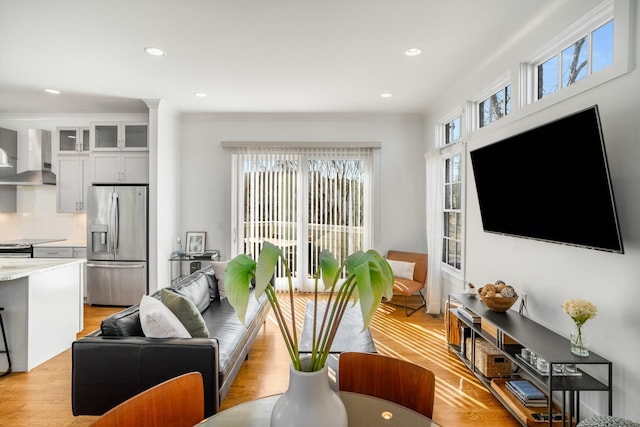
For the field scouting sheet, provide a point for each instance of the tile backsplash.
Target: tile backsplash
(36, 217)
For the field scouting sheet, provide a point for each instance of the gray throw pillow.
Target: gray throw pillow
(186, 312)
(196, 289)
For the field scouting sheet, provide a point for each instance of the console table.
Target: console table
(199, 261)
(510, 332)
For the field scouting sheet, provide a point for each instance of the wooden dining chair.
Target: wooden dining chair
(388, 378)
(174, 403)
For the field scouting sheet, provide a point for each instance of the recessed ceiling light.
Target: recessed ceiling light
(386, 95)
(53, 91)
(200, 95)
(154, 51)
(414, 51)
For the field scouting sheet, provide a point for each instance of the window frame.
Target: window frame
(621, 15)
(301, 149)
(445, 239)
(448, 150)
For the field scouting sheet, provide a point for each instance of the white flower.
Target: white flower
(580, 310)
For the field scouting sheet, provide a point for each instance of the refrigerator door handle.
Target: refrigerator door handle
(112, 239)
(116, 223)
(110, 225)
(112, 265)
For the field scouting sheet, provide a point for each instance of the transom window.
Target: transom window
(584, 57)
(495, 107)
(452, 130)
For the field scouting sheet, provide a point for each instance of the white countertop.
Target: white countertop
(15, 268)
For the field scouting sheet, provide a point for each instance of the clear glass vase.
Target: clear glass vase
(579, 341)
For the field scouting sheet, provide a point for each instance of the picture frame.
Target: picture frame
(196, 242)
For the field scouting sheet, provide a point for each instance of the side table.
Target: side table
(182, 266)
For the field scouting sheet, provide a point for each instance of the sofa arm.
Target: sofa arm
(106, 371)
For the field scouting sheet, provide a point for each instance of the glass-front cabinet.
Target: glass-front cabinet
(73, 140)
(107, 136)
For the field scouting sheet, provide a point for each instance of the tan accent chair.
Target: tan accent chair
(178, 402)
(406, 287)
(388, 378)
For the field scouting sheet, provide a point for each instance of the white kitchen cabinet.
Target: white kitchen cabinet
(53, 252)
(79, 252)
(8, 193)
(73, 140)
(118, 136)
(74, 176)
(120, 168)
(67, 252)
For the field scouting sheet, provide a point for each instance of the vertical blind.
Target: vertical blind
(303, 200)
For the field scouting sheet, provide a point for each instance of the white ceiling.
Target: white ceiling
(247, 55)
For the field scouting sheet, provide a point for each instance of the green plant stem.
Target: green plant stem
(330, 325)
(289, 342)
(290, 337)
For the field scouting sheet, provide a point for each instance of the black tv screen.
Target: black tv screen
(550, 183)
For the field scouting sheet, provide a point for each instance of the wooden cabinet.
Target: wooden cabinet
(510, 333)
(117, 136)
(74, 176)
(120, 168)
(73, 140)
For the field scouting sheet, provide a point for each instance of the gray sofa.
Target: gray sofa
(118, 361)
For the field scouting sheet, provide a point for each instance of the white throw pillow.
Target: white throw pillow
(402, 269)
(158, 321)
(218, 270)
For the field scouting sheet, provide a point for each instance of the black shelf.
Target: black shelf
(547, 344)
(184, 263)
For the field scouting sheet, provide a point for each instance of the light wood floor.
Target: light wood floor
(42, 397)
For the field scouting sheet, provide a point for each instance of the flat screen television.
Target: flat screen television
(550, 183)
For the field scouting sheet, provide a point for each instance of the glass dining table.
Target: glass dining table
(362, 411)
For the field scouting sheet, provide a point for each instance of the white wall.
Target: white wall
(551, 273)
(164, 189)
(206, 168)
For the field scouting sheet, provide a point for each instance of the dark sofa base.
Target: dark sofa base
(107, 370)
(104, 375)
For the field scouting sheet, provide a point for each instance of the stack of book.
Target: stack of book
(468, 314)
(527, 393)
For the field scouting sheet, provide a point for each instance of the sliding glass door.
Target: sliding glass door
(303, 200)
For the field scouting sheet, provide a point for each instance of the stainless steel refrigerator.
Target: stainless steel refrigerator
(117, 244)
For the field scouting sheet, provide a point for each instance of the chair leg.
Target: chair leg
(6, 346)
(408, 311)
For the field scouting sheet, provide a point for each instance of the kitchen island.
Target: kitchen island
(43, 307)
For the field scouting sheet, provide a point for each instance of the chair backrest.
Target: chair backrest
(420, 259)
(176, 402)
(388, 378)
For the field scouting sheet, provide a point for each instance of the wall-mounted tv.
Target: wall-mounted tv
(550, 183)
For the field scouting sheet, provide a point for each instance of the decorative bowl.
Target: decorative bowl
(499, 304)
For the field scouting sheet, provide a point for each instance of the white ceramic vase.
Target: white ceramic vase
(309, 401)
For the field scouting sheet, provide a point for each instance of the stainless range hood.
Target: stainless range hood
(38, 162)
